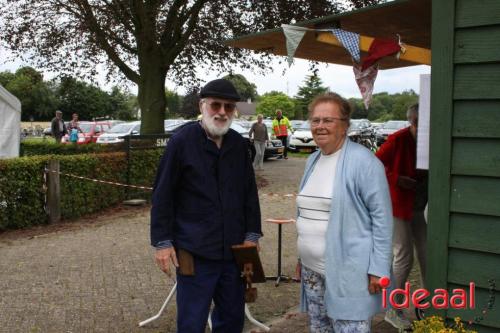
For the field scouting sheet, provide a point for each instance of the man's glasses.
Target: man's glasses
(228, 107)
(328, 121)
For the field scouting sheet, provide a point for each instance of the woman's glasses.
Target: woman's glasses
(328, 121)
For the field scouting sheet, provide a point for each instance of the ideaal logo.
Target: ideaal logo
(420, 297)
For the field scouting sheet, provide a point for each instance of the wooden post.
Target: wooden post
(53, 192)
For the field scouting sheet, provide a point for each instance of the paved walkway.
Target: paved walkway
(98, 275)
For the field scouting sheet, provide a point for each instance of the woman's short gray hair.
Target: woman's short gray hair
(331, 97)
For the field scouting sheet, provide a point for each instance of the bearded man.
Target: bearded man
(205, 201)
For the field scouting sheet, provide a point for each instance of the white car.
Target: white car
(117, 132)
(302, 139)
(389, 128)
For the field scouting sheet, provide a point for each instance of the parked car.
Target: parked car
(296, 124)
(244, 123)
(172, 126)
(117, 132)
(274, 147)
(172, 122)
(388, 128)
(302, 140)
(91, 130)
(113, 123)
(48, 131)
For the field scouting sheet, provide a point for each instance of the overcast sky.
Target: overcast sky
(338, 78)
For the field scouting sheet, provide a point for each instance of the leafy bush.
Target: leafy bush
(21, 192)
(436, 324)
(22, 197)
(45, 147)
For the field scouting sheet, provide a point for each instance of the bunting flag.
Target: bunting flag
(378, 49)
(350, 41)
(365, 80)
(294, 35)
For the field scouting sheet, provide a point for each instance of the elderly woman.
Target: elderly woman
(344, 225)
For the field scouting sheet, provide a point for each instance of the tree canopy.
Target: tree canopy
(147, 40)
(246, 89)
(384, 106)
(271, 101)
(190, 104)
(313, 86)
(40, 98)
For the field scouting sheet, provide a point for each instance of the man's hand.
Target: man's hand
(374, 284)
(249, 243)
(164, 257)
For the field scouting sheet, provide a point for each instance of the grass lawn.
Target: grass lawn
(47, 139)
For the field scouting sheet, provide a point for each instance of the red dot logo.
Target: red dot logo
(384, 282)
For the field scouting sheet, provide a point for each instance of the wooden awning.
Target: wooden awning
(411, 19)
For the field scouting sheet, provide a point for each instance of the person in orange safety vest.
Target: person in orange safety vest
(281, 124)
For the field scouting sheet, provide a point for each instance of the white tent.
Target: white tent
(10, 124)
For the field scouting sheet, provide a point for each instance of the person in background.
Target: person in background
(204, 202)
(344, 225)
(408, 188)
(74, 128)
(281, 125)
(58, 127)
(258, 133)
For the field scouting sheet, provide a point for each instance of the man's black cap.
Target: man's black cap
(220, 88)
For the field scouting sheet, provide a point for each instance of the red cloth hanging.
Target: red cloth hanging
(378, 49)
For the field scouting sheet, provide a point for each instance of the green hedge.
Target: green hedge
(21, 184)
(46, 147)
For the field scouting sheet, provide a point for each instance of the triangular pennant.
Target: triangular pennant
(293, 36)
(378, 49)
(350, 41)
(365, 80)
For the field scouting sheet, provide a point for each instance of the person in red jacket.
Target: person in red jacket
(408, 188)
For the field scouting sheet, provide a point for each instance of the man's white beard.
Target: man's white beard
(212, 128)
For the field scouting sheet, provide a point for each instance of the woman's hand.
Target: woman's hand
(374, 284)
(298, 271)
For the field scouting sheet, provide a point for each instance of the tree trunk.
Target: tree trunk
(151, 97)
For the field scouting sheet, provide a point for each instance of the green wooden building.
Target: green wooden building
(464, 166)
(464, 173)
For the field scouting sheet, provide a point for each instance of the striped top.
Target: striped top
(313, 204)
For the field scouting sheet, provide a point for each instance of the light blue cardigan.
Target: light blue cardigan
(359, 233)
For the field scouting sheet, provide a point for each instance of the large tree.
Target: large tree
(274, 100)
(146, 40)
(190, 104)
(246, 89)
(37, 99)
(312, 87)
(87, 100)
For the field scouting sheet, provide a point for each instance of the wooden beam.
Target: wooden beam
(413, 54)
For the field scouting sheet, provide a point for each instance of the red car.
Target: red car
(90, 131)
